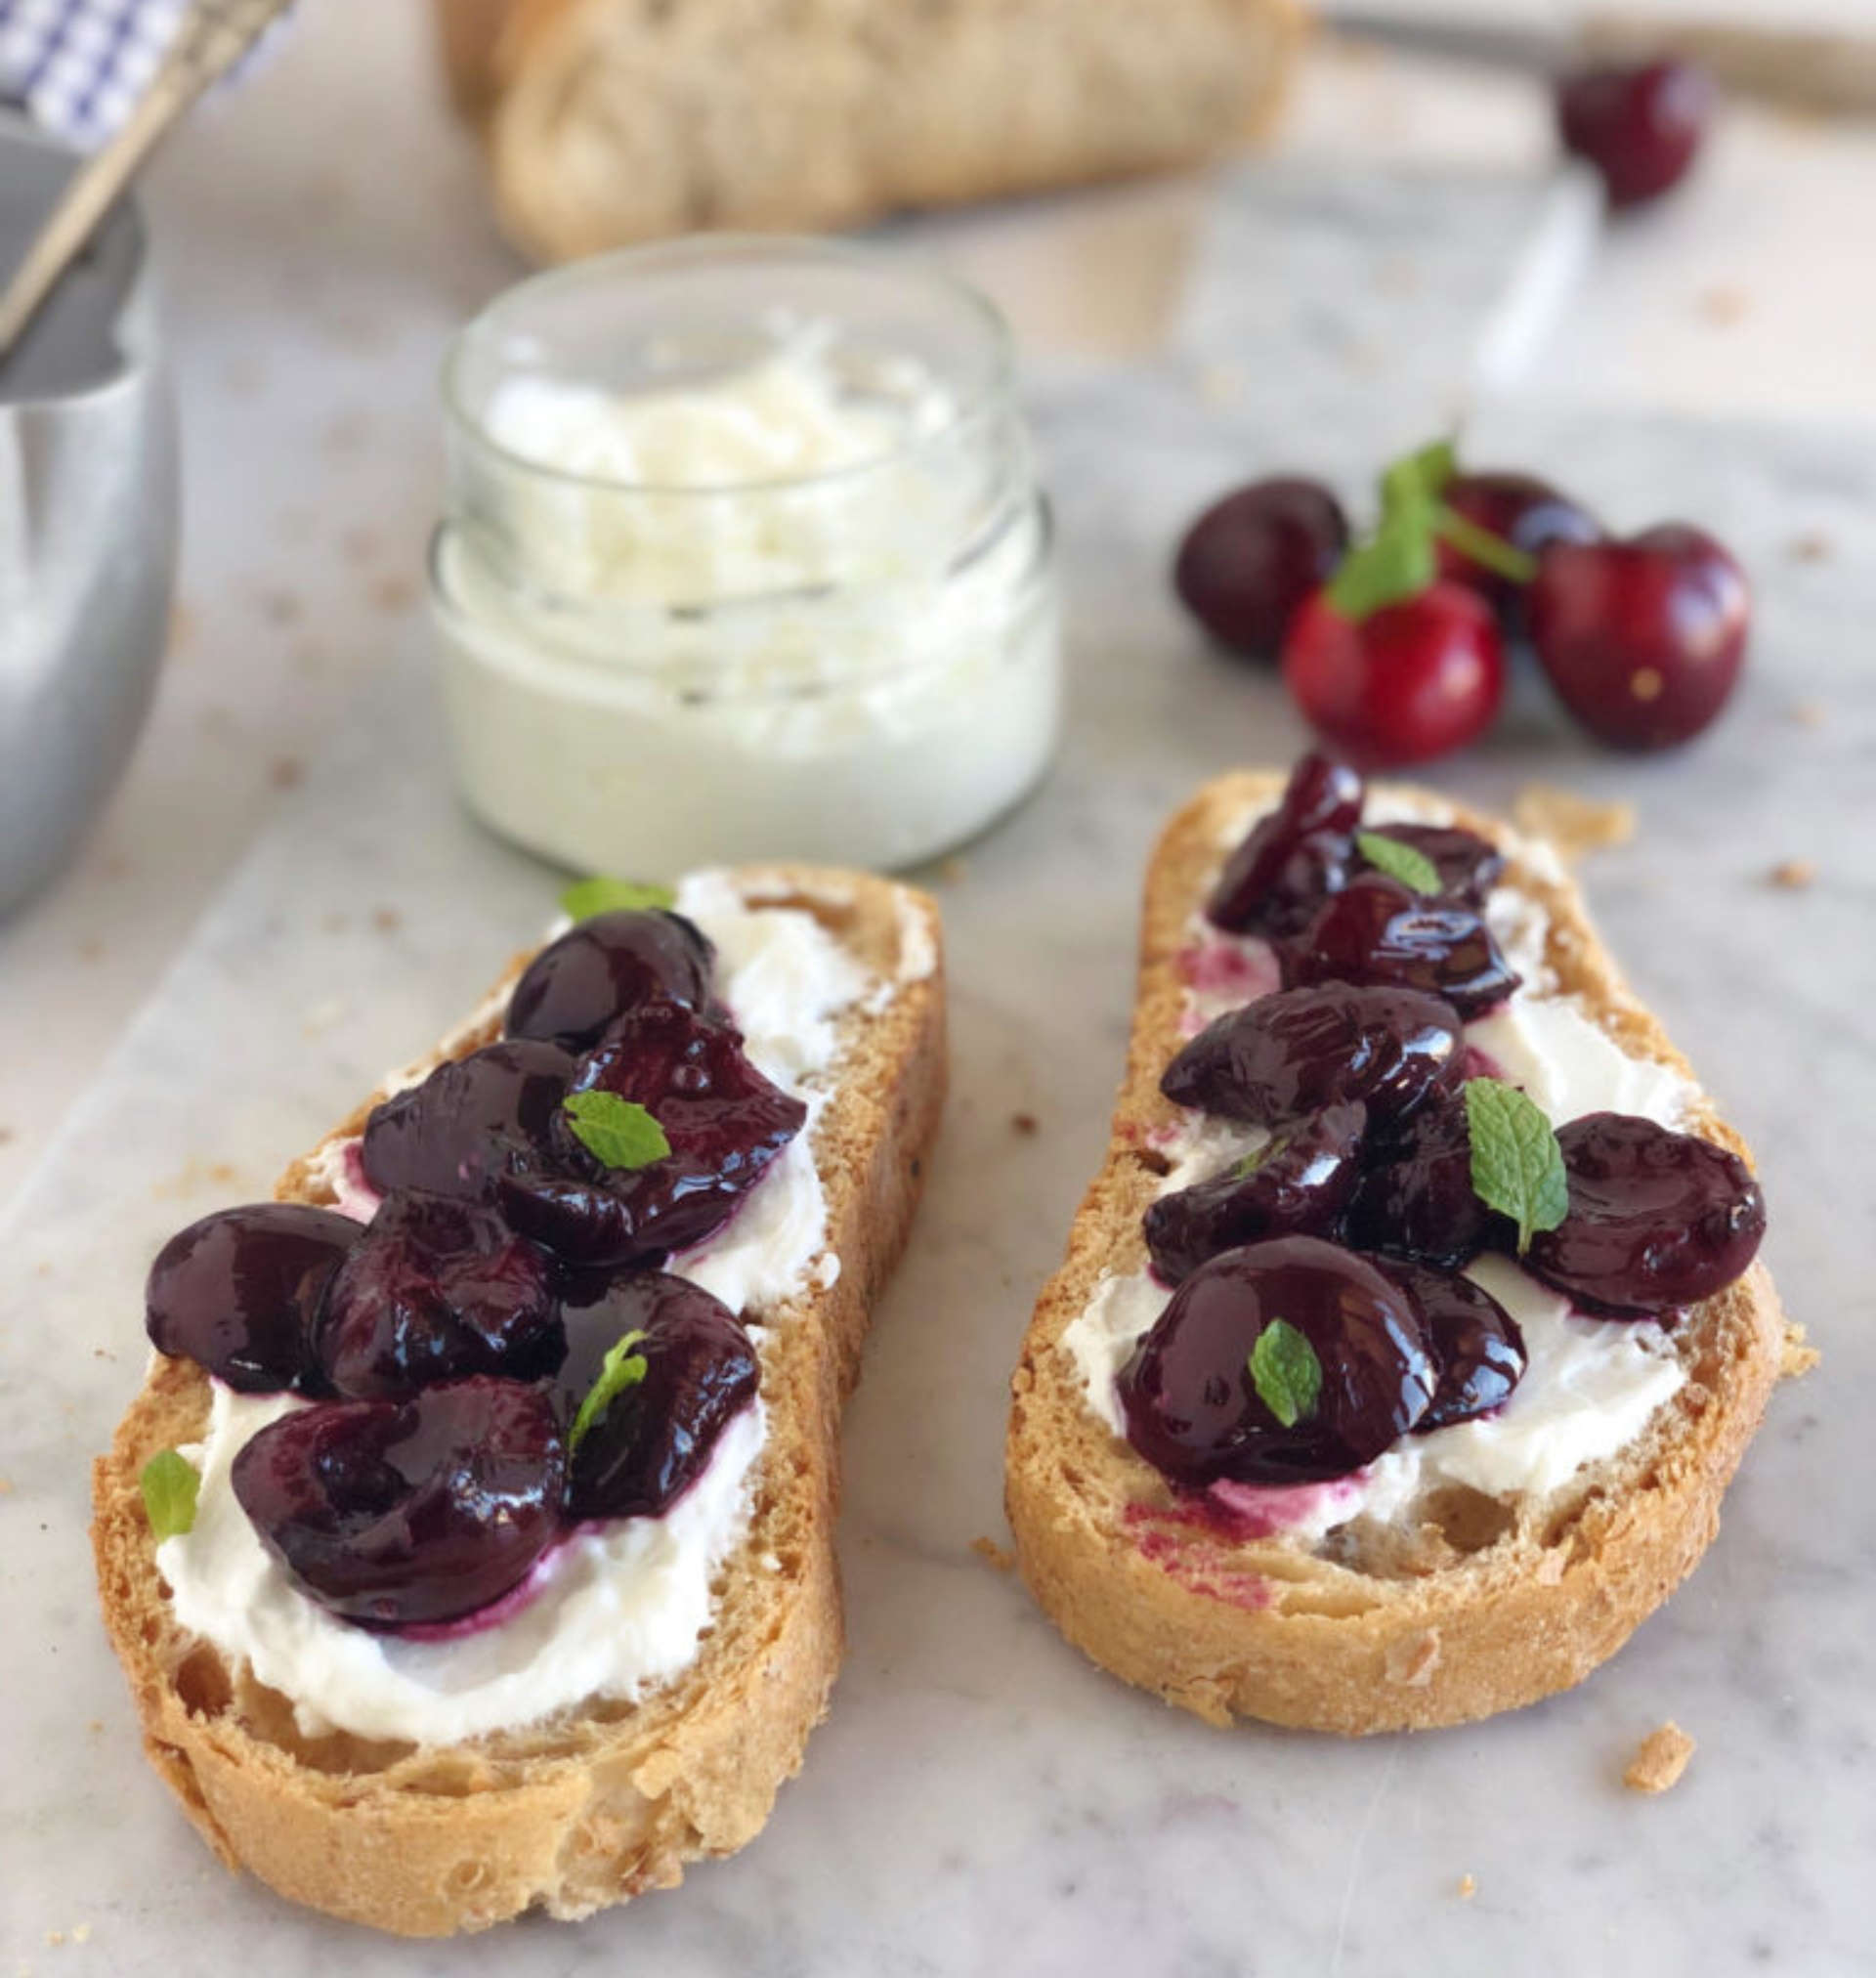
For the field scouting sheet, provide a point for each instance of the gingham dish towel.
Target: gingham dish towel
(76, 66)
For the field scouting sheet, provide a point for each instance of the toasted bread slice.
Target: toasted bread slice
(588, 1808)
(1486, 1603)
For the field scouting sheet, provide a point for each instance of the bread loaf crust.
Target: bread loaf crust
(1445, 1632)
(581, 1811)
(608, 122)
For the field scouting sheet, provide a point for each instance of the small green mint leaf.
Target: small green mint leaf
(1492, 552)
(1286, 1372)
(170, 1486)
(1518, 1166)
(587, 898)
(1399, 861)
(1397, 561)
(621, 1368)
(1418, 477)
(1242, 1170)
(617, 1131)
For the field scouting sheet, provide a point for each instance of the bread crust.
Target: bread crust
(592, 1807)
(1500, 1603)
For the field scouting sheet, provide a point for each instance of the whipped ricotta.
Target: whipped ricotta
(617, 1608)
(1590, 1386)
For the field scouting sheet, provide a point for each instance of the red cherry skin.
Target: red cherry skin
(1643, 639)
(1252, 558)
(1519, 509)
(1411, 680)
(1639, 125)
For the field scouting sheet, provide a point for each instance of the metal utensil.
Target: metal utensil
(210, 39)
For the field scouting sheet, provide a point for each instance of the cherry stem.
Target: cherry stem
(1502, 559)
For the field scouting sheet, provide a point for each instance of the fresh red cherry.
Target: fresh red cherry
(1639, 125)
(1250, 559)
(1295, 854)
(1518, 508)
(1643, 638)
(1411, 680)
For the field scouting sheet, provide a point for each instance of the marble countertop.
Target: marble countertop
(981, 1800)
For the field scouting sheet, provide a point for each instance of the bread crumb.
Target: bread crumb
(54, 1938)
(987, 1548)
(1811, 547)
(6, 1487)
(286, 772)
(1025, 1124)
(1220, 384)
(1661, 1759)
(1793, 875)
(394, 595)
(952, 872)
(81, 1933)
(1798, 1357)
(1808, 713)
(1574, 824)
(1411, 1664)
(1725, 305)
(1468, 1888)
(1551, 1569)
(387, 920)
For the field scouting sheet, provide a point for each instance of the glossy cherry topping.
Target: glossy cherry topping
(1477, 1345)
(654, 1439)
(576, 988)
(1297, 1184)
(437, 1289)
(471, 1121)
(237, 1292)
(1191, 1404)
(724, 1121)
(1294, 856)
(1468, 867)
(1290, 1053)
(1416, 1199)
(1657, 1219)
(391, 1512)
(1375, 930)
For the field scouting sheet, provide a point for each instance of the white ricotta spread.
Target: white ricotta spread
(617, 1608)
(1590, 1386)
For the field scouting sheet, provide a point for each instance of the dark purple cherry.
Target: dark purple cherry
(1417, 1198)
(1477, 1347)
(438, 1289)
(1639, 124)
(469, 1122)
(1297, 1184)
(1295, 856)
(1193, 1409)
(1378, 932)
(393, 1513)
(574, 989)
(237, 1292)
(654, 1438)
(725, 1123)
(1252, 558)
(1300, 1049)
(1657, 1219)
(1468, 867)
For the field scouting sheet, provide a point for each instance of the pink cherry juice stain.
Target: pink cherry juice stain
(1226, 969)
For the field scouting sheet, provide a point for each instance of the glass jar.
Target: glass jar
(743, 557)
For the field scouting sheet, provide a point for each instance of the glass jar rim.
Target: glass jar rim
(967, 410)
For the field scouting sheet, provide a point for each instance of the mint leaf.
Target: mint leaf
(1518, 1166)
(1242, 1170)
(587, 898)
(1397, 561)
(1418, 477)
(1504, 559)
(1403, 862)
(170, 1486)
(621, 1368)
(617, 1131)
(1286, 1372)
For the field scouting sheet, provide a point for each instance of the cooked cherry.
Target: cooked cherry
(580, 984)
(1298, 1050)
(1639, 125)
(237, 1292)
(1468, 867)
(391, 1513)
(1375, 930)
(1298, 1184)
(1656, 1220)
(1250, 559)
(1417, 1201)
(1477, 1347)
(1644, 640)
(1193, 1410)
(1519, 509)
(469, 1122)
(724, 1121)
(654, 1438)
(438, 1289)
(1411, 680)
(1294, 856)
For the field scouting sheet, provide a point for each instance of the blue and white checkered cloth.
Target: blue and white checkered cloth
(76, 66)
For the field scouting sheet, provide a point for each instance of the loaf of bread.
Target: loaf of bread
(609, 122)
(1476, 1604)
(588, 1808)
